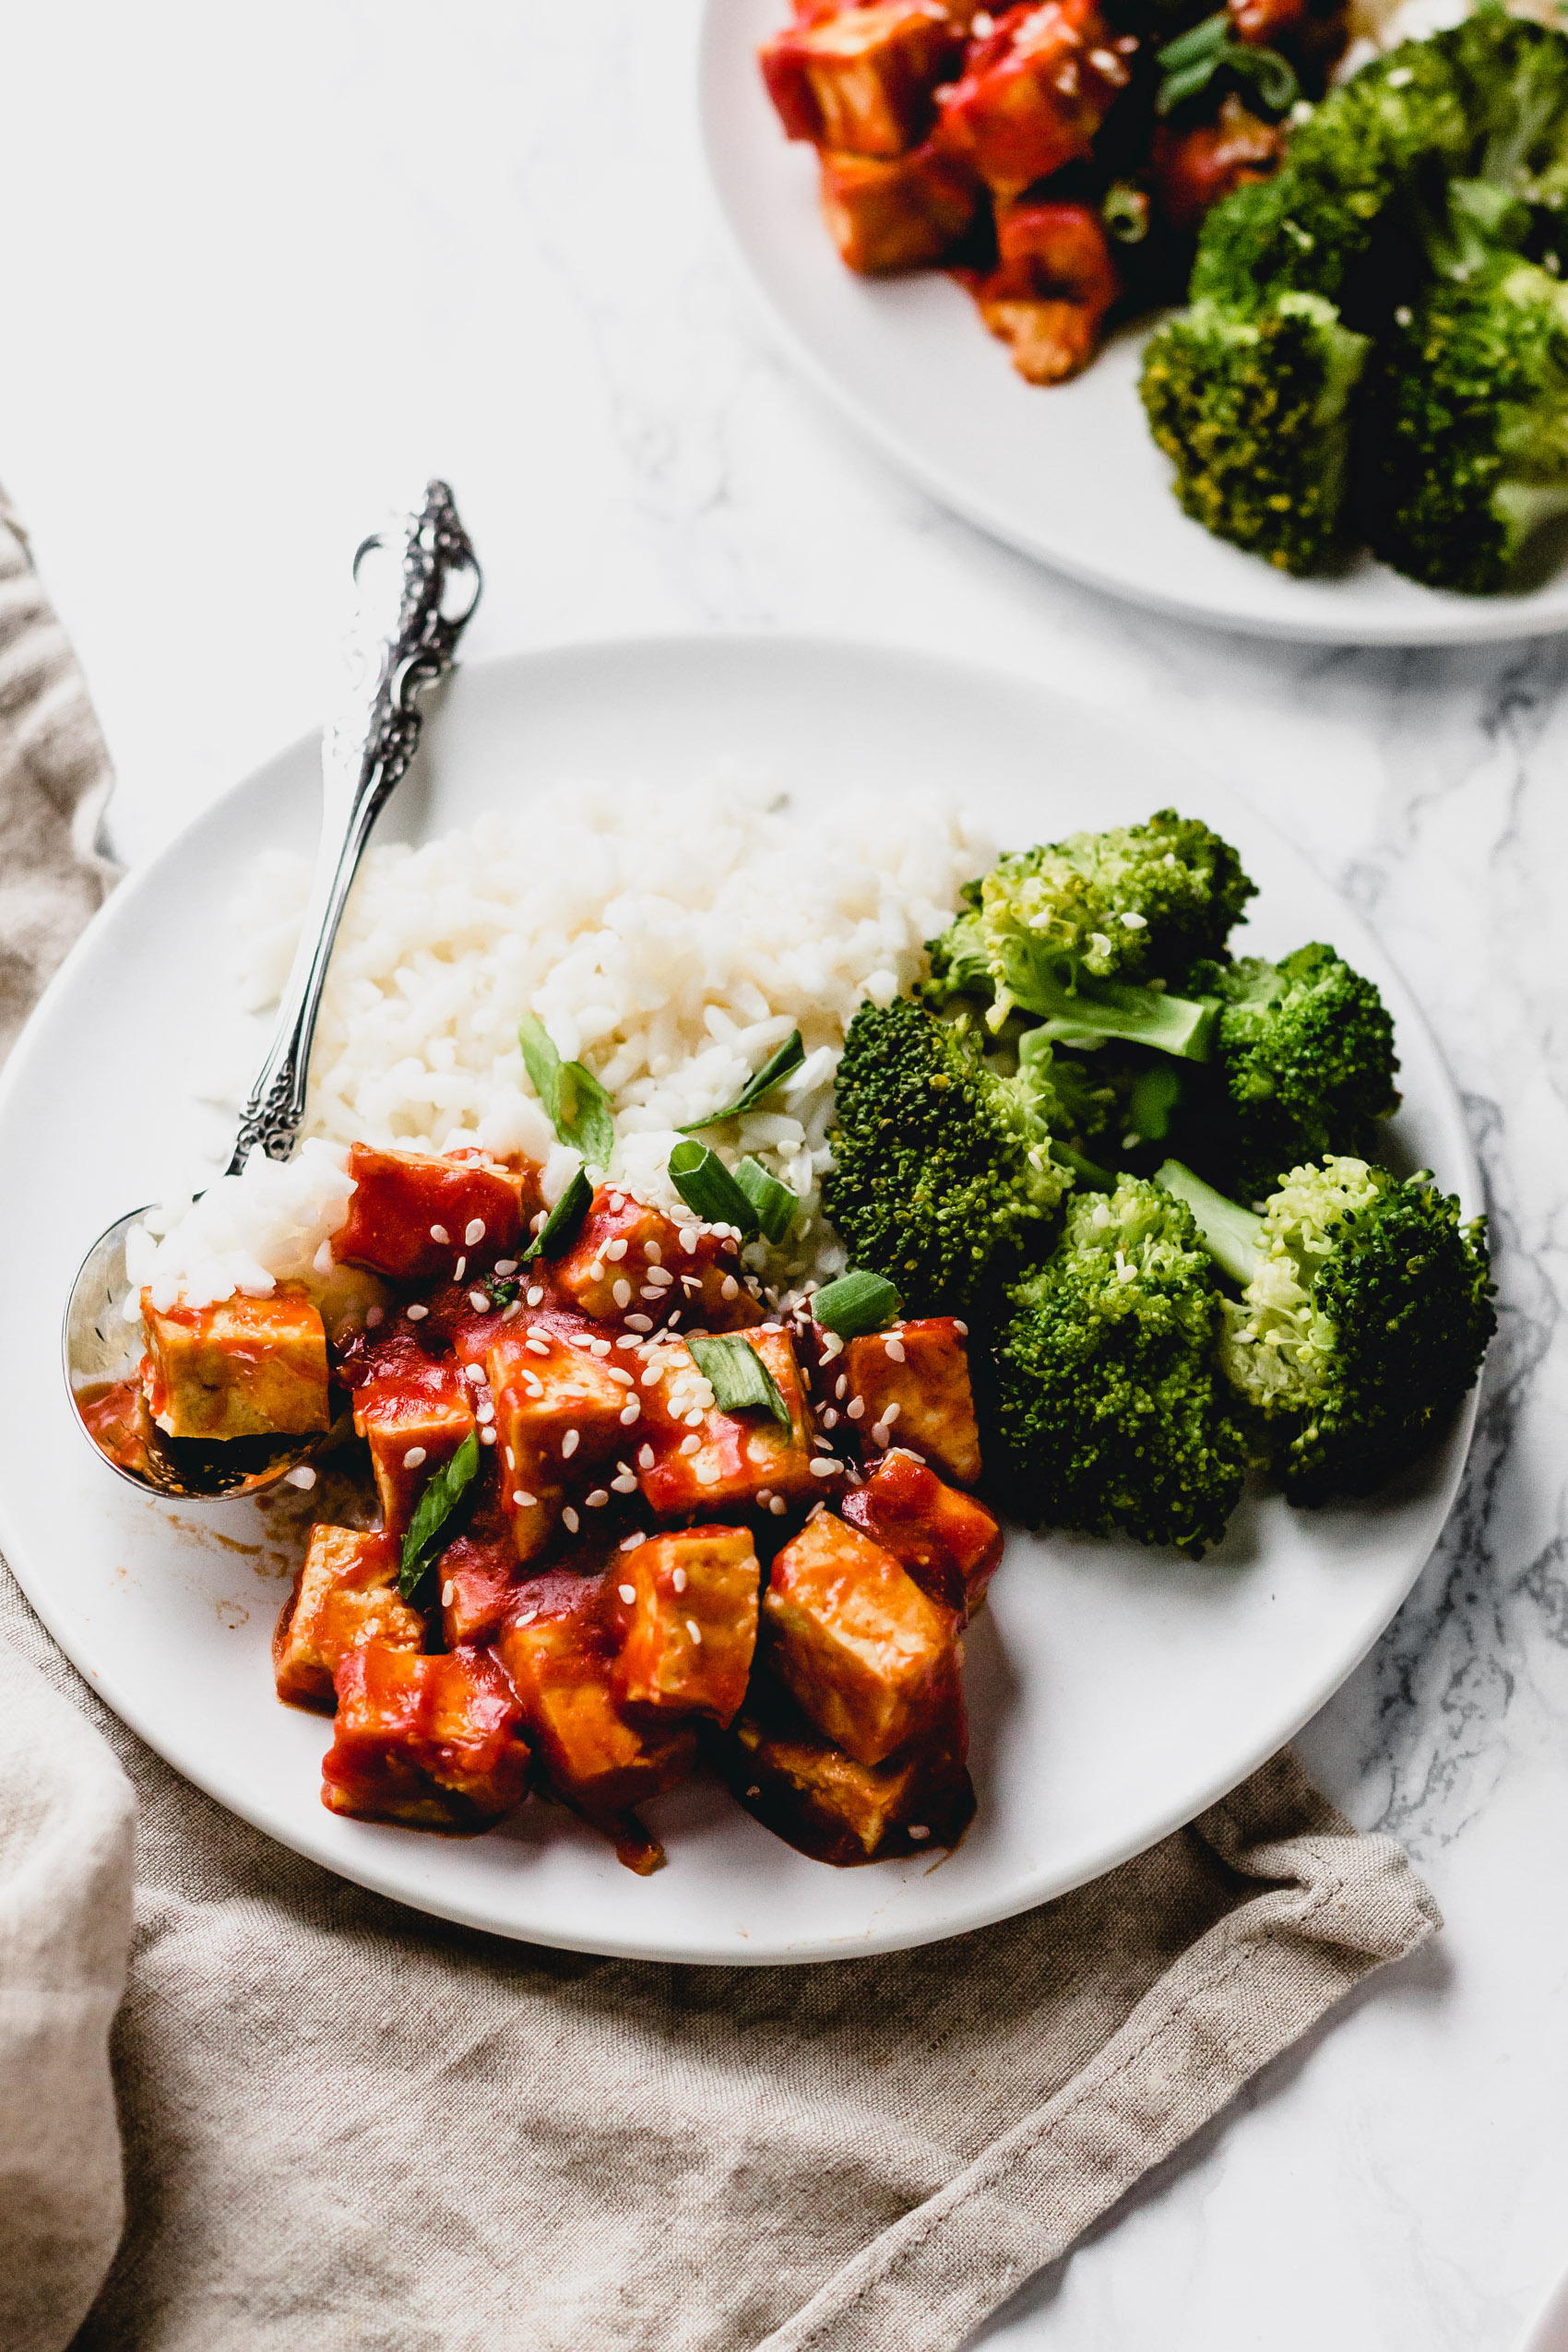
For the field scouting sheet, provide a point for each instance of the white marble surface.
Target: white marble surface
(265, 267)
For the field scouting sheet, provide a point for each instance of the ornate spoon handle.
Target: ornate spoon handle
(363, 753)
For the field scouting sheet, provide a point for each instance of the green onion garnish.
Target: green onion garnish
(563, 1224)
(443, 1490)
(1190, 63)
(855, 1304)
(707, 1186)
(774, 1203)
(789, 1056)
(738, 1377)
(576, 1105)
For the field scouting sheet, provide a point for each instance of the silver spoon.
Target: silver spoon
(363, 753)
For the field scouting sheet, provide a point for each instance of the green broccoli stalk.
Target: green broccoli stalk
(1073, 933)
(1303, 1064)
(943, 1168)
(1364, 1313)
(1109, 1411)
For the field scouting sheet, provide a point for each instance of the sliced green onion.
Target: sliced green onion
(707, 1186)
(1190, 63)
(738, 1377)
(789, 1056)
(575, 1102)
(563, 1224)
(443, 1490)
(774, 1204)
(855, 1304)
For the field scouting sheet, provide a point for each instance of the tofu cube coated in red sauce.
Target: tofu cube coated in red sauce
(1034, 92)
(413, 1214)
(558, 1656)
(432, 1743)
(633, 1260)
(345, 1595)
(413, 1420)
(559, 1413)
(868, 1656)
(477, 1585)
(683, 1617)
(887, 213)
(863, 80)
(239, 1368)
(706, 1460)
(808, 1792)
(1056, 281)
(911, 1384)
(949, 1543)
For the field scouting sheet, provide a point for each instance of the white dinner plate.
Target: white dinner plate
(1068, 474)
(1114, 1692)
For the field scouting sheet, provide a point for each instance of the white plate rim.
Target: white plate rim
(230, 1791)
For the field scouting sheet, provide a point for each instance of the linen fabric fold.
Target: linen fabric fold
(349, 2125)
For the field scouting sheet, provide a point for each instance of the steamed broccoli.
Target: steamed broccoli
(1303, 1064)
(941, 1168)
(1365, 1310)
(1470, 413)
(1073, 932)
(1110, 1411)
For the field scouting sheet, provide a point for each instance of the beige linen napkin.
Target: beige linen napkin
(348, 2125)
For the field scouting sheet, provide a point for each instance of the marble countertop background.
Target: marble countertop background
(267, 268)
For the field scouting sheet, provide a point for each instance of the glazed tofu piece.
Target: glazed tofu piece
(864, 79)
(413, 1420)
(413, 1214)
(867, 1658)
(633, 1260)
(945, 1541)
(561, 1412)
(912, 1383)
(898, 212)
(478, 1584)
(240, 1368)
(432, 1743)
(810, 1793)
(682, 1614)
(705, 1460)
(1056, 281)
(558, 1655)
(1034, 92)
(345, 1595)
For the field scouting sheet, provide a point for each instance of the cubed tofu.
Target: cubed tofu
(558, 1655)
(1049, 340)
(682, 1617)
(809, 1792)
(559, 1412)
(1191, 169)
(239, 1368)
(345, 1595)
(864, 79)
(705, 1460)
(1056, 281)
(478, 1580)
(432, 1743)
(912, 1383)
(633, 1260)
(413, 1214)
(871, 1659)
(887, 213)
(413, 1421)
(1034, 92)
(945, 1541)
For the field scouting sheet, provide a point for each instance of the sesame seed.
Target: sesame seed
(524, 1501)
(484, 1414)
(505, 1266)
(644, 1457)
(569, 1445)
(628, 1592)
(599, 1346)
(439, 1233)
(416, 1314)
(596, 1271)
(540, 1219)
(615, 1251)
(694, 1420)
(778, 1506)
(823, 1469)
(621, 1294)
(891, 1412)
(855, 1407)
(679, 1580)
(460, 1269)
(961, 1328)
(630, 1543)
(622, 1379)
(516, 1307)
(830, 1417)
(692, 1445)
(832, 1345)
(650, 1296)
(302, 1476)
(632, 1410)
(413, 1457)
(695, 1630)
(473, 1232)
(659, 1278)
(625, 1484)
(536, 1347)
(763, 1494)
(374, 1316)
(689, 1238)
(511, 1459)
(615, 1202)
(448, 1593)
(652, 1252)
(487, 1437)
(474, 1372)
(729, 1288)
(841, 1385)
(526, 1616)
(879, 1435)
(598, 1499)
(536, 1297)
(896, 1349)
(640, 1323)
(1135, 922)
(918, 1829)
(478, 1301)
(570, 1520)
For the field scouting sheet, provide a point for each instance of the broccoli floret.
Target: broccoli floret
(1364, 1313)
(941, 1168)
(1072, 931)
(1469, 409)
(1109, 1409)
(1254, 414)
(1303, 1064)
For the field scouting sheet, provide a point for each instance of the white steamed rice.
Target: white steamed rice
(670, 940)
